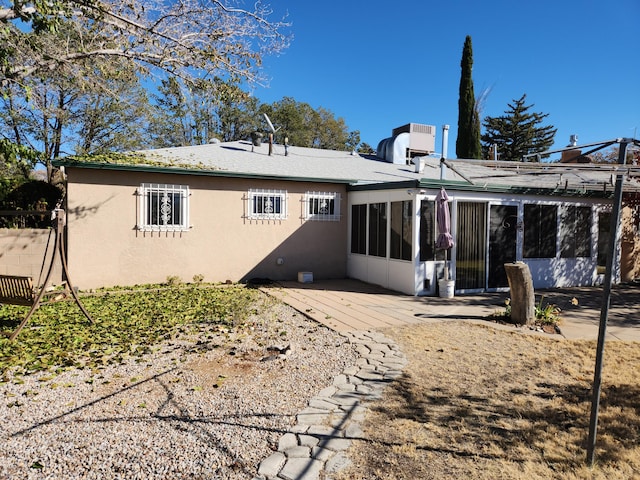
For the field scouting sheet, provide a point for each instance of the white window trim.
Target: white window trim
(322, 217)
(256, 193)
(143, 207)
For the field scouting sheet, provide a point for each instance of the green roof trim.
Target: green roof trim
(360, 187)
(200, 170)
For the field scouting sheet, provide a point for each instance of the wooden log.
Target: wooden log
(523, 307)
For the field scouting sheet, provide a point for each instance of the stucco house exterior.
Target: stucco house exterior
(238, 211)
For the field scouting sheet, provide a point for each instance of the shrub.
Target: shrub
(548, 314)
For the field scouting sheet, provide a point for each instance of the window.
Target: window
(163, 207)
(604, 233)
(401, 230)
(575, 231)
(359, 229)
(540, 227)
(427, 230)
(378, 229)
(322, 206)
(268, 204)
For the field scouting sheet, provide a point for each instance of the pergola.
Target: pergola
(577, 176)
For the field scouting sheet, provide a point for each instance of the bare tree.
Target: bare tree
(56, 55)
(94, 102)
(189, 39)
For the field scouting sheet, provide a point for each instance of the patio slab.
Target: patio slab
(347, 305)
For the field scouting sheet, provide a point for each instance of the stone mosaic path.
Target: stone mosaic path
(324, 430)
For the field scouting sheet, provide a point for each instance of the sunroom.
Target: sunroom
(392, 235)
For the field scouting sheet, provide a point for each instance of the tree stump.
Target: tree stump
(523, 308)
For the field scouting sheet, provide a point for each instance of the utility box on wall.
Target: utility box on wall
(305, 277)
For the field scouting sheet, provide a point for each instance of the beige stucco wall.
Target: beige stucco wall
(630, 251)
(105, 249)
(22, 253)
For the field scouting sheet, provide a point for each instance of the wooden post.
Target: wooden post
(523, 308)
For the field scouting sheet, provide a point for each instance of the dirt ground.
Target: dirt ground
(483, 403)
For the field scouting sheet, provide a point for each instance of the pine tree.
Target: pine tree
(518, 132)
(468, 141)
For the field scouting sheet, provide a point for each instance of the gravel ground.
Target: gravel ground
(209, 406)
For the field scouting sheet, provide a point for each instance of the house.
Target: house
(242, 210)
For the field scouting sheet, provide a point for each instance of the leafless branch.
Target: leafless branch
(189, 38)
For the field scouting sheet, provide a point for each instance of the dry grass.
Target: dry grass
(477, 402)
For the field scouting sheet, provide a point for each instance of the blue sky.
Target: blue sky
(380, 65)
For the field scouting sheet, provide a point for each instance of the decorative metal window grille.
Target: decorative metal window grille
(163, 208)
(268, 204)
(322, 206)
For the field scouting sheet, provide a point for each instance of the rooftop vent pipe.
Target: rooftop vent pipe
(573, 140)
(572, 154)
(445, 146)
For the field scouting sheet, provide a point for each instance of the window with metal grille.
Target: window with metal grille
(322, 206)
(267, 204)
(163, 207)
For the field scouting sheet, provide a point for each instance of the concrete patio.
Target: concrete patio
(350, 305)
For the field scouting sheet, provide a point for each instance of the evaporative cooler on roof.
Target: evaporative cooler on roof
(422, 138)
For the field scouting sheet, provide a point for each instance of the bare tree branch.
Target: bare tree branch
(191, 39)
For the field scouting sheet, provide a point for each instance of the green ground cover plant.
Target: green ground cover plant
(128, 322)
(546, 313)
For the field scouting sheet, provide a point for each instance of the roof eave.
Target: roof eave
(192, 171)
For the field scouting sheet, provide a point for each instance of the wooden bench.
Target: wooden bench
(17, 290)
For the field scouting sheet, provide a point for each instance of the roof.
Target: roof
(243, 159)
(294, 162)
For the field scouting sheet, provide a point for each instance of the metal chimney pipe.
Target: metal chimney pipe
(573, 140)
(445, 143)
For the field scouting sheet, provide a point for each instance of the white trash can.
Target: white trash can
(447, 288)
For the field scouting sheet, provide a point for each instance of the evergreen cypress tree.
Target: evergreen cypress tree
(468, 141)
(518, 132)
